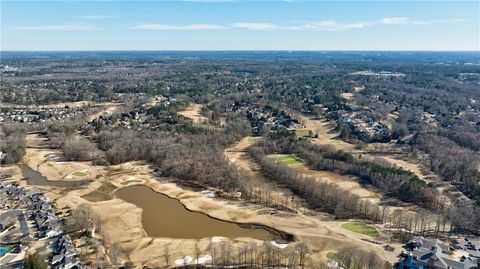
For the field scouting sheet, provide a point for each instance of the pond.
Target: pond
(167, 217)
(35, 178)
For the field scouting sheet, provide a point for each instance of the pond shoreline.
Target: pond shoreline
(35, 178)
(278, 236)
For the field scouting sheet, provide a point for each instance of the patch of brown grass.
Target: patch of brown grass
(102, 193)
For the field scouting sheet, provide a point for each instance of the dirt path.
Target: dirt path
(193, 111)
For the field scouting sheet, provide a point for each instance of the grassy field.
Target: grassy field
(361, 228)
(252, 139)
(126, 182)
(103, 193)
(285, 158)
(79, 174)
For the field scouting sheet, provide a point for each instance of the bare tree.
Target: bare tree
(197, 254)
(166, 256)
(113, 255)
(302, 250)
(225, 252)
(84, 218)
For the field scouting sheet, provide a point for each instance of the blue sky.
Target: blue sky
(239, 25)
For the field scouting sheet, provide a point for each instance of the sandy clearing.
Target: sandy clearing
(409, 166)
(327, 134)
(347, 95)
(108, 108)
(193, 111)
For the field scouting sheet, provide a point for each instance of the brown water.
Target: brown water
(166, 217)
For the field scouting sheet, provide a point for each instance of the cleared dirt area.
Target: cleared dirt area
(107, 109)
(326, 134)
(193, 111)
(347, 95)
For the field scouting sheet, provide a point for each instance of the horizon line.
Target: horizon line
(243, 50)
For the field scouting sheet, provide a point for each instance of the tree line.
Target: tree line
(452, 162)
(342, 204)
(12, 147)
(394, 181)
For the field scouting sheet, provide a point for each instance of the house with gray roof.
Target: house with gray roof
(433, 254)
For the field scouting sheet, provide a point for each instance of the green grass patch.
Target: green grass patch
(102, 193)
(139, 163)
(79, 174)
(361, 229)
(285, 158)
(332, 255)
(253, 139)
(126, 182)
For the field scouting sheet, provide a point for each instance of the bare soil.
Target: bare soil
(193, 111)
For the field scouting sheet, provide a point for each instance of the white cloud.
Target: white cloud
(331, 25)
(402, 20)
(169, 27)
(255, 26)
(58, 27)
(326, 25)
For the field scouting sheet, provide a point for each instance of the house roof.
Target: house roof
(436, 258)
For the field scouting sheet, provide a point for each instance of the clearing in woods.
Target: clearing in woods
(193, 111)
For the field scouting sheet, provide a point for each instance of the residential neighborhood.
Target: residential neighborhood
(40, 115)
(28, 222)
